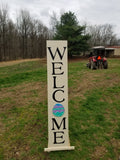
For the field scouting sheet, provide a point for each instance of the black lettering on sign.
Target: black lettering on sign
(54, 122)
(54, 97)
(57, 51)
(58, 67)
(54, 83)
(57, 136)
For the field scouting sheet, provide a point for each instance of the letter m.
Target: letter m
(54, 123)
(57, 51)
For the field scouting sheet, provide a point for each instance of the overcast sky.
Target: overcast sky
(91, 11)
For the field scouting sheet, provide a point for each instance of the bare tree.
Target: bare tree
(53, 23)
(43, 34)
(33, 35)
(24, 39)
(23, 25)
(33, 38)
(102, 35)
(11, 41)
(3, 31)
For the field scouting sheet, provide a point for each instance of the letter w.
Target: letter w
(57, 50)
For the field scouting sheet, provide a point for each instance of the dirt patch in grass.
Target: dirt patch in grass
(2, 127)
(115, 144)
(23, 124)
(22, 95)
(91, 81)
(10, 63)
(99, 152)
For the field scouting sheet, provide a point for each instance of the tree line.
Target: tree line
(102, 34)
(26, 38)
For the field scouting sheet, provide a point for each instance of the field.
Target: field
(94, 112)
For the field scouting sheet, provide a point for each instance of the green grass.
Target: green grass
(94, 112)
(24, 72)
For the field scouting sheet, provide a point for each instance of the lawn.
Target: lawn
(94, 112)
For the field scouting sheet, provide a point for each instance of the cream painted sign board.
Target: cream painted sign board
(57, 74)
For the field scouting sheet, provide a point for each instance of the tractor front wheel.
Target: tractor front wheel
(93, 65)
(105, 65)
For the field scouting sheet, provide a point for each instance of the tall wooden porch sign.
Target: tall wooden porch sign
(57, 72)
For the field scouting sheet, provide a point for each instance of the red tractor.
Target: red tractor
(97, 59)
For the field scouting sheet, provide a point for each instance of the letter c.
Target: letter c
(54, 97)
